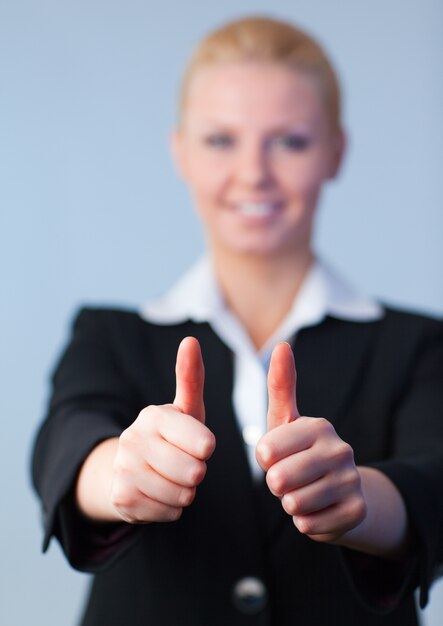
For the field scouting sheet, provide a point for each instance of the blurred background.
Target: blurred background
(91, 210)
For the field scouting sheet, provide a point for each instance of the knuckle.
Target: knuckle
(264, 453)
(122, 464)
(291, 504)
(121, 471)
(173, 514)
(127, 437)
(342, 453)
(122, 498)
(305, 525)
(261, 453)
(351, 480)
(358, 510)
(276, 480)
(148, 413)
(187, 496)
(323, 426)
(197, 473)
(207, 445)
(119, 460)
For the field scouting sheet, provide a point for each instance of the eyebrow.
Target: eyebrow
(290, 126)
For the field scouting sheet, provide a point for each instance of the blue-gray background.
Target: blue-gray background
(91, 210)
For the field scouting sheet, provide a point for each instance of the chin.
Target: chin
(265, 247)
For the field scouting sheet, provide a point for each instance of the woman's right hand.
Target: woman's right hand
(158, 462)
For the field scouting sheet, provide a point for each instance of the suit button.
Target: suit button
(249, 595)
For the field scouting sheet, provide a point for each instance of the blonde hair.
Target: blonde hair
(270, 40)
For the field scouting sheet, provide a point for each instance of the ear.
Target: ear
(338, 153)
(178, 152)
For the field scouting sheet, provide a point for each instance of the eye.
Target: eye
(219, 140)
(293, 142)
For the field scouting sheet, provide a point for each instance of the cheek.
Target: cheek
(206, 180)
(305, 179)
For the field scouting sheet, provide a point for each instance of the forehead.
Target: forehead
(252, 91)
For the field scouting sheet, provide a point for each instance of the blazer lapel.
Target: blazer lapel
(330, 359)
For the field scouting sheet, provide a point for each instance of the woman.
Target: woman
(205, 511)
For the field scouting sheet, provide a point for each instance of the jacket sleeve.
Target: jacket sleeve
(415, 466)
(92, 400)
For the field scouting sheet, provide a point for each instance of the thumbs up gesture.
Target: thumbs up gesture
(160, 458)
(307, 465)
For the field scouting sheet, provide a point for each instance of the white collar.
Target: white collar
(197, 297)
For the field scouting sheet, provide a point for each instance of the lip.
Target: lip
(256, 210)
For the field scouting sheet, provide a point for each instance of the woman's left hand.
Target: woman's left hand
(307, 465)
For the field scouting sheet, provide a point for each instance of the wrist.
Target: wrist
(94, 482)
(385, 529)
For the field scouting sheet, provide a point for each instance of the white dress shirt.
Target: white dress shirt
(197, 297)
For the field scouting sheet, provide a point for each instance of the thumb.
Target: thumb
(282, 379)
(190, 377)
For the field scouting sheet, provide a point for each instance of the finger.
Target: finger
(282, 380)
(174, 464)
(319, 495)
(332, 521)
(149, 510)
(294, 472)
(190, 376)
(279, 443)
(136, 508)
(186, 433)
(154, 486)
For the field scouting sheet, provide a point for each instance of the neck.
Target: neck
(260, 290)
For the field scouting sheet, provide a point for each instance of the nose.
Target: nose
(252, 167)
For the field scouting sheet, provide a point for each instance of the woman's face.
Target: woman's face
(255, 146)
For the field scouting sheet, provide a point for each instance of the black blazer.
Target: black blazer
(379, 383)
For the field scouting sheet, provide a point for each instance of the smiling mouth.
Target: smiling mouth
(257, 209)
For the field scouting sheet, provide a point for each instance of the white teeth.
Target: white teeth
(256, 209)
